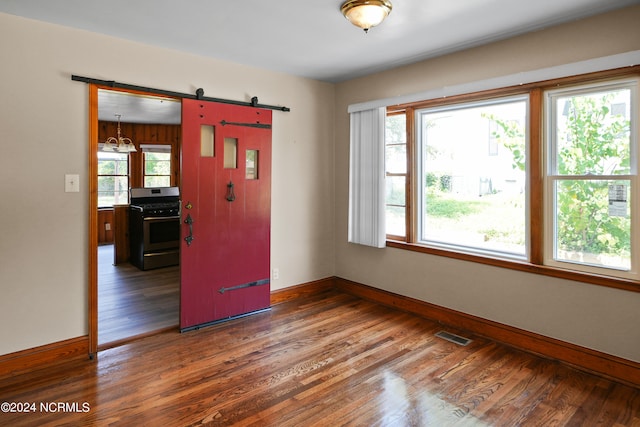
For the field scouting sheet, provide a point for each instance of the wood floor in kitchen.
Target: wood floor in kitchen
(132, 302)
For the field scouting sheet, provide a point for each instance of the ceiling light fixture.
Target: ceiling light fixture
(366, 13)
(119, 144)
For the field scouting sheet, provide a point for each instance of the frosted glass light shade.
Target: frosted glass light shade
(366, 13)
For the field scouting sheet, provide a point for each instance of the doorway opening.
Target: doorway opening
(243, 175)
(129, 299)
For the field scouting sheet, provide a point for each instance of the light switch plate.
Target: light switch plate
(71, 183)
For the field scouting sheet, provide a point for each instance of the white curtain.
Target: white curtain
(366, 178)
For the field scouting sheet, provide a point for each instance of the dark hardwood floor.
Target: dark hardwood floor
(328, 359)
(133, 302)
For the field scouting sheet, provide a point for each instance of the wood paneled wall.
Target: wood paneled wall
(146, 134)
(105, 216)
(120, 234)
(139, 134)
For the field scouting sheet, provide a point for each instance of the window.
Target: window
(157, 165)
(230, 153)
(470, 197)
(251, 164)
(541, 177)
(113, 179)
(591, 177)
(396, 175)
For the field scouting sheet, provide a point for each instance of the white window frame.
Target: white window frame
(550, 179)
(419, 190)
(155, 148)
(127, 175)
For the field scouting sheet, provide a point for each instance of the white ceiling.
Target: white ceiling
(138, 108)
(310, 38)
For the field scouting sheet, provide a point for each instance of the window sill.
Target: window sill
(594, 279)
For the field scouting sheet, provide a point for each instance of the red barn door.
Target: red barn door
(226, 211)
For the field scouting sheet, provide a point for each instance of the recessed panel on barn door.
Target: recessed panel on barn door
(226, 211)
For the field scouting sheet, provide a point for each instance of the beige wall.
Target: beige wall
(44, 129)
(44, 126)
(596, 317)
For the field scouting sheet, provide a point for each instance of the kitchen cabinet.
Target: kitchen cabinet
(121, 234)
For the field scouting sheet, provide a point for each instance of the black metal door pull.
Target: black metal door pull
(189, 238)
(231, 195)
(245, 285)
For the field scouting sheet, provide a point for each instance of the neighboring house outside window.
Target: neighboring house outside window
(591, 178)
(469, 198)
(541, 178)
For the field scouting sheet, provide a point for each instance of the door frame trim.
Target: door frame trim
(93, 220)
(93, 210)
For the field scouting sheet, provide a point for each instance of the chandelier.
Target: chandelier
(366, 13)
(119, 144)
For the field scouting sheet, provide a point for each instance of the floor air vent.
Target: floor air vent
(456, 339)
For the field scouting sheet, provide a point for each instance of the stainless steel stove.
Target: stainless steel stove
(154, 227)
